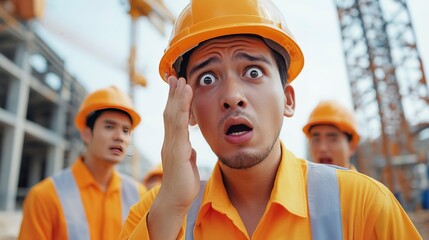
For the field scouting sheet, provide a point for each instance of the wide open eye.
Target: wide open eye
(253, 73)
(207, 79)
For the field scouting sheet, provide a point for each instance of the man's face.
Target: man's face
(238, 100)
(110, 137)
(330, 146)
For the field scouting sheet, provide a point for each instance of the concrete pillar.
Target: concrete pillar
(55, 160)
(59, 118)
(18, 103)
(36, 169)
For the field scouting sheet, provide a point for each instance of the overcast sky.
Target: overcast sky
(93, 37)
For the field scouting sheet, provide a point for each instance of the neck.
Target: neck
(101, 170)
(249, 190)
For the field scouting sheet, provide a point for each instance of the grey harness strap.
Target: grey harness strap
(129, 195)
(193, 213)
(323, 200)
(74, 213)
(71, 203)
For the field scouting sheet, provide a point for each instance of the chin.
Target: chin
(243, 159)
(114, 159)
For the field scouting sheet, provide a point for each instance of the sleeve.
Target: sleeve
(38, 214)
(392, 221)
(370, 211)
(135, 226)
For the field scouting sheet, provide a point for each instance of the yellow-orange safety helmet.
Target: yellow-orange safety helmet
(109, 97)
(333, 113)
(202, 20)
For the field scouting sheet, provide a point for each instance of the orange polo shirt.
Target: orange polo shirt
(369, 210)
(43, 217)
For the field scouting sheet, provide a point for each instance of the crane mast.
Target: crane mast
(388, 85)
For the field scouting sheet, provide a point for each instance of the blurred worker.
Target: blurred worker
(153, 177)
(89, 200)
(332, 132)
(235, 61)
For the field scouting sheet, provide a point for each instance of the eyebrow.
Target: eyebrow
(258, 58)
(204, 64)
(329, 134)
(332, 134)
(112, 122)
(108, 121)
(315, 134)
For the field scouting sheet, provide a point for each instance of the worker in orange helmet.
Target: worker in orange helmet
(90, 199)
(230, 67)
(153, 177)
(332, 133)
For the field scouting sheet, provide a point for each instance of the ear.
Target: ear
(192, 120)
(289, 106)
(352, 148)
(86, 135)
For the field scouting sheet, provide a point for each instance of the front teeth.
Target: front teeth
(238, 133)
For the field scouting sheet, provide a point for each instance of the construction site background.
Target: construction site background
(394, 147)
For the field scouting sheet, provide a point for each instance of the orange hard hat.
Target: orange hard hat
(333, 113)
(156, 171)
(110, 97)
(202, 20)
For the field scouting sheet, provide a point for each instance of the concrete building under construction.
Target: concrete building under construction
(38, 101)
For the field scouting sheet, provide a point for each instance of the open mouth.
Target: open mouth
(239, 129)
(325, 160)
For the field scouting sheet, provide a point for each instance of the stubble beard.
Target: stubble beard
(245, 160)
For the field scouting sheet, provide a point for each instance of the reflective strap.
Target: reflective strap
(129, 195)
(74, 213)
(324, 202)
(193, 213)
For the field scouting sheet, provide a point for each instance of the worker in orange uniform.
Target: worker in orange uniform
(153, 177)
(89, 200)
(229, 66)
(332, 133)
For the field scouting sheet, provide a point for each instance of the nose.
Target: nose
(323, 145)
(233, 96)
(119, 136)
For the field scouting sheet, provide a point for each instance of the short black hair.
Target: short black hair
(349, 136)
(92, 117)
(281, 62)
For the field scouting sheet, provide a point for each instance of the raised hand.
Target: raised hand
(180, 181)
(180, 177)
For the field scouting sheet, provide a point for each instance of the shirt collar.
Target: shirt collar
(84, 177)
(289, 187)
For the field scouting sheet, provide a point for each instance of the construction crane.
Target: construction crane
(388, 84)
(157, 14)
